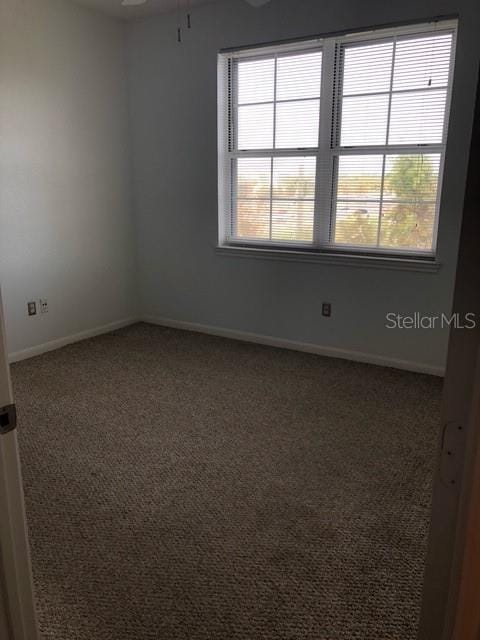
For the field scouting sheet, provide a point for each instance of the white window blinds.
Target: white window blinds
(336, 144)
(275, 111)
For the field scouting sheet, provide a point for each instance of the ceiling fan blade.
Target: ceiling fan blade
(257, 3)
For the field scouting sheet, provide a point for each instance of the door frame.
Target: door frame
(452, 576)
(465, 596)
(18, 620)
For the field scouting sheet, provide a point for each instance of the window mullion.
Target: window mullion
(389, 114)
(408, 149)
(279, 153)
(324, 172)
(380, 209)
(274, 141)
(234, 143)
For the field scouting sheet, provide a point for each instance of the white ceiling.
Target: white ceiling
(150, 8)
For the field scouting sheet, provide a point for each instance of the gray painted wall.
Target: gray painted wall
(173, 114)
(66, 229)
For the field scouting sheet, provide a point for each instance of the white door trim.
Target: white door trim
(19, 617)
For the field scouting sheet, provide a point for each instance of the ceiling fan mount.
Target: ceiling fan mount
(134, 3)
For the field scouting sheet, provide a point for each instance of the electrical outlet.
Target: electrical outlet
(43, 305)
(326, 309)
(32, 308)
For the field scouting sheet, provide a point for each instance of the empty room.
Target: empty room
(240, 320)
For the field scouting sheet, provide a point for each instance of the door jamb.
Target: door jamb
(19, 616)
(449, 541)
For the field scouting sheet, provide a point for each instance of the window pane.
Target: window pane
(417, 118)
(407, 206)
(292, 220)
(356, 223)
(299, 76)
(392, 98)
(407, 225)
(297, 124)
(359, 177)
(256, 81)
(255, 127)
(294, 178)
(421, 63)
(253, 219)
(364, 120)
(253, 177)
(367, 68)
(412, 177)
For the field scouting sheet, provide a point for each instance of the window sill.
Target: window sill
(426, 265)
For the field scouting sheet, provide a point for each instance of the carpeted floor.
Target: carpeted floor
(187, 487)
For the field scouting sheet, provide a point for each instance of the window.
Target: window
(336, 144)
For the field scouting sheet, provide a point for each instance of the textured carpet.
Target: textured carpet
(188, 487)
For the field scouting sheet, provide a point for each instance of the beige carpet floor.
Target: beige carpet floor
(187, 487)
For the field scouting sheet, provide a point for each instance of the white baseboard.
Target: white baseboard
(24, 354)
(244, 336)
(332, 352)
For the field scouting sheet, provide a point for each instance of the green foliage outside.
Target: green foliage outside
(411, 179)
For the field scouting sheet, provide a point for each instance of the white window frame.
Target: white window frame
(328, 150)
